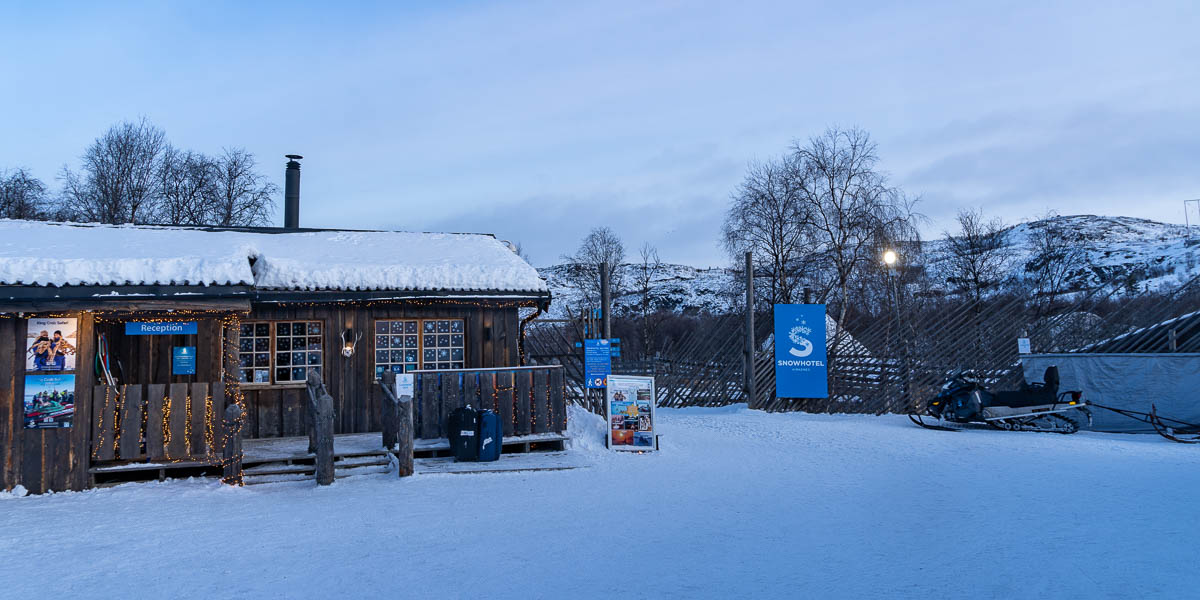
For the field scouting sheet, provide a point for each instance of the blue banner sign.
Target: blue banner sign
(800, 359)
(183, 360)
(162, 328)
(597, 362)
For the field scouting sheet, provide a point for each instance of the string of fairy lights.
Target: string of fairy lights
(212, 452)
(230, 323)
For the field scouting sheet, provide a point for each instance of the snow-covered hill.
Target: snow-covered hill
(678, 288)
(1148, 254)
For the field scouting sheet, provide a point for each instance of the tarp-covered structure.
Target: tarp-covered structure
(1169, 381)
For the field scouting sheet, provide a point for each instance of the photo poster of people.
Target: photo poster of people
(630, 401)
(49, 401)
(50, 344)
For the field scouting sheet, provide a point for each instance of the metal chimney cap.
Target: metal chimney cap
(293, 156)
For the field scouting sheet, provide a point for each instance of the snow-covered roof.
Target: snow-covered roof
(70, 254)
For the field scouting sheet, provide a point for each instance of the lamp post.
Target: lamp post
(889, 260)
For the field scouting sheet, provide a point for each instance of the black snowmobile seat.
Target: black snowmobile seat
(1032, 394)
(1050, 379)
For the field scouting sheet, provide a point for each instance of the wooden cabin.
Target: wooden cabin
(165, 326)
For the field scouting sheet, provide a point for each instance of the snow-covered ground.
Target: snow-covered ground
(738, 504)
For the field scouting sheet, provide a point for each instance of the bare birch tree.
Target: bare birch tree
(244, 197)
(23, 196)
(1057, 258)
(583, 268)
(978, 255)
(645, 273)
(187, 188)
(117, 183)
(767, 218)
(849, 210)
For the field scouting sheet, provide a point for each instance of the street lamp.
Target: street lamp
(889, 258)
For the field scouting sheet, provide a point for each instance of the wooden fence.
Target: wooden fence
(158, 422)
(528, 399)
(889, 356)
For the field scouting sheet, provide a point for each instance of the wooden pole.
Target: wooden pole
(605, 301)
(748, 358)
(233, 445)
(404, 434)
(322, 427)
(315, 387)
(388, 406)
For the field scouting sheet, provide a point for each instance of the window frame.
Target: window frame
(420, 364)
(273, 328)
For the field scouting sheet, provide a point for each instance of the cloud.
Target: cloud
(1095, 159)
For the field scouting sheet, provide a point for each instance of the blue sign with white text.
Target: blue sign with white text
(163, 328)
(183, 360)
(597, 362)
(800, 355)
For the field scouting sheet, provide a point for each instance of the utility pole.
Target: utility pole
(748, 358)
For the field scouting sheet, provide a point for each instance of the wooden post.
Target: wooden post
(321, 435)
(748, 365)
(316, 387)
(605, 302)
(388, 419)
(404, 434)
(324, 429)
(233, 445)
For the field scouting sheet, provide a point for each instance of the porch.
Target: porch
(153, 432)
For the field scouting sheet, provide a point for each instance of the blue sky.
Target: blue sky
(537, 121)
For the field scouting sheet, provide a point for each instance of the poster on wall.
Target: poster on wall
(49, 401)
(630, 403)
(50, 344)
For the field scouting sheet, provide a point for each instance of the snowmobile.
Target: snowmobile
(964, 401)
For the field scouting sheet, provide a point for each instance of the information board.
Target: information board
(404, 385)
(597, 362)
(183, 360)
(629, 404)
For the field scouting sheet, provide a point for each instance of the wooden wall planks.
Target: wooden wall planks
(490, 341)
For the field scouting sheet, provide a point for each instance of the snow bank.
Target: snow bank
(586, 430)
(71, 254)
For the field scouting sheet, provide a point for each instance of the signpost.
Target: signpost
(597, 362)
(162, 328)
(1023, 345)
(801, 370)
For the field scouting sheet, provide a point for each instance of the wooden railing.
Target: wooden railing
(158, 422)
(528, 399)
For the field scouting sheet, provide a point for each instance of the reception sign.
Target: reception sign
(161, 328)
(800, 355)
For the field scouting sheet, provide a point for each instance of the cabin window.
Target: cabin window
(403, 345)
(281, 352)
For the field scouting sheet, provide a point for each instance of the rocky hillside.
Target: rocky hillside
(1144, 254)
(1147, 254)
